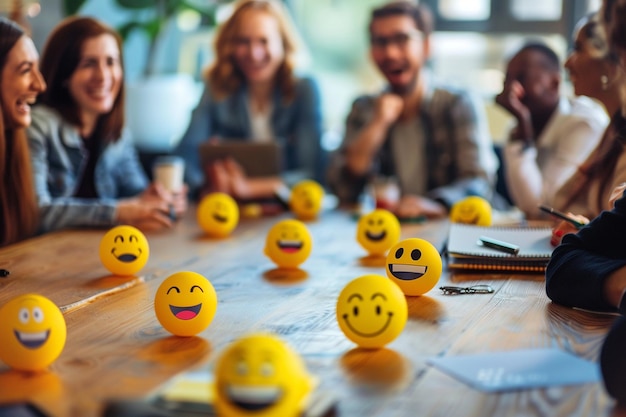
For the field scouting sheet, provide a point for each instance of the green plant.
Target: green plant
(152, 16)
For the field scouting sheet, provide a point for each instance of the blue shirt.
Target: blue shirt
(297, 126)
(58, 157)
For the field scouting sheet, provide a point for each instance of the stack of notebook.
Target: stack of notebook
(465, 250)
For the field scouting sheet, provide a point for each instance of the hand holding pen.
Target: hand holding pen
(570, 223)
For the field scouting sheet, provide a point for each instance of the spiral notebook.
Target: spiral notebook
(465, 250)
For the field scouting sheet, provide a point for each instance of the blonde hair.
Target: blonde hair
(224, 76)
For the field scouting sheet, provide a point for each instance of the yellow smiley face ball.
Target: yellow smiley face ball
(378, 231)
(371, 311)
(218, 214)
(288, 243)
(32, 331)
(415, 265)
(185, 303)
(124, 250)
(306, 199)
(259, 375)
(471, 210)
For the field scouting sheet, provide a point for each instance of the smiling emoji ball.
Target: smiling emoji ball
(371, 311)
(378, 231)
(259, 375)
(124, 250)
(471, 210)
(306, 199)
(33, 332)
(185, 303)
(415, 265)
(218, 214)
(288, 243)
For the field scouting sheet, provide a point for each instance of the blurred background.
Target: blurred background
(168, 43)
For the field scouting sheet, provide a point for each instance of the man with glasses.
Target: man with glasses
(431, 139)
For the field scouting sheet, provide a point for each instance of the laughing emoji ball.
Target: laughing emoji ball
(378, 231)
(124, 250)
(471, 210)
(185, 303)
(371, 311)
(259, 375)
(218, 214)
(288, 243)
(33, 332)
(306, 199)
(415, 265)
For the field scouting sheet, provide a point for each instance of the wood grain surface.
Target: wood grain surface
(117, 349)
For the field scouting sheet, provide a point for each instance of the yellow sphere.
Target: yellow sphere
(306, 199)
(288, 243)
(414, 265)
(218, 214)
(371, 311)
(124, 250)
(378, 231)
(32, 331)
(185, 303)
(471, 210)
(259, 375)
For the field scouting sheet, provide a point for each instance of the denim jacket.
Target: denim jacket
(58, 158)
(297, 126)
(458, 152)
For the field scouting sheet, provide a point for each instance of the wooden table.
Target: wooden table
(117, 349)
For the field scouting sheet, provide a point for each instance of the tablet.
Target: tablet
(257, 159)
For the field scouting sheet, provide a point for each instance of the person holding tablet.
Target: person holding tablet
(252, 94)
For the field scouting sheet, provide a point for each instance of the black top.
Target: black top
(580, 265)
(87, 188)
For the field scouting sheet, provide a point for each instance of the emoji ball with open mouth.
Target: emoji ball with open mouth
(288, 243)
(124, 250)
(378, 231)
(185, 303)
(259, 375)
(415, 265)
(471, 210)
(371, 311)
(33, 332)
(306, 199)
(218, 214)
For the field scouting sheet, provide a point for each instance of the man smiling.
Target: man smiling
(430, 138)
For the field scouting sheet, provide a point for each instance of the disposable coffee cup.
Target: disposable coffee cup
(169, 172)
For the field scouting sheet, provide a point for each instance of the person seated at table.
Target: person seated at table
(553, 135)
(430, 138)
(588, 270)
(86, 170)
(253, 94)
(20, 83)
(595, 72)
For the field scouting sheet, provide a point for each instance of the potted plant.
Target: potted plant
(158, 106)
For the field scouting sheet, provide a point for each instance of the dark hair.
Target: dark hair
(551, 56)
(60, 59)
(420, 13)
(18, 205)
(595, 34)
(614, 15)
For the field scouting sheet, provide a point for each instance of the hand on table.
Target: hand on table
(411, 206)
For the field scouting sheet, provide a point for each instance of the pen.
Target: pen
(499, 245)
(561, 216)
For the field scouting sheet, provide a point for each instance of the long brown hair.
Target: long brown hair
(224, 76)
(18, 205)
(59, 60)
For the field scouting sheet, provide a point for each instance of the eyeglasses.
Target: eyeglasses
(476, 289)
(400, 40)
